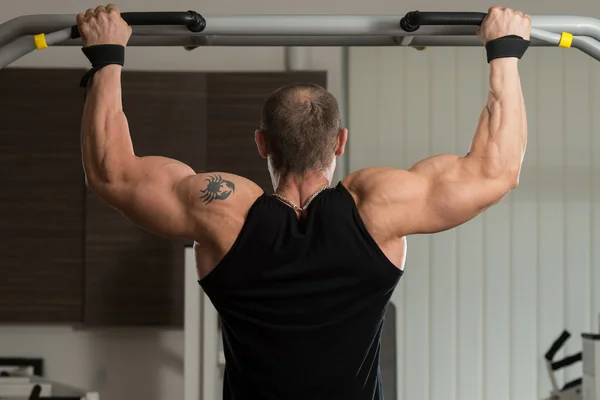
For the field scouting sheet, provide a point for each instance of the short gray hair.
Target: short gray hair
(301, 123)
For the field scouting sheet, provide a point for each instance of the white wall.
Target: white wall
(479, 305)
(122, 363)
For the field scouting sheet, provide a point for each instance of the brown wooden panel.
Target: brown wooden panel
(42, 196)
(234, 106)
(131, 276)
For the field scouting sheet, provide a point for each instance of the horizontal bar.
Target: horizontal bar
(312, 25)
(577, 26)
(260, 26)
(459, 41)
(293, 30)
(258, 41)
(545, 36)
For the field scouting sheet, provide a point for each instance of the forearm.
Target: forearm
(501, 137)
(105, 138)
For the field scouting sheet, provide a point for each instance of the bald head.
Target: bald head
(301, 123)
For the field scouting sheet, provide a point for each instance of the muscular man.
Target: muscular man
(302, 279)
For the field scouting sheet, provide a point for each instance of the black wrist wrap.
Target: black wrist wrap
(506, 47)
(100, 56)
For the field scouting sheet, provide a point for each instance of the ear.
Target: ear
(341, 142)
(259, 138)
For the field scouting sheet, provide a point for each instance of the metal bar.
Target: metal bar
(269, 25)
(313, 25)
(32, 25)
(588, 45)
(343, 164)
(578, 26)
(58, 37)
(16, 50)
(309, 41)
(458, 41)
(545, 36)
(252, 41)
(192, 328)
(294, 30)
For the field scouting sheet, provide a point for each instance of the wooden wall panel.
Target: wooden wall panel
(66, 255)
(41, 196)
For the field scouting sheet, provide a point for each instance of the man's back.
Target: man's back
(302, 302)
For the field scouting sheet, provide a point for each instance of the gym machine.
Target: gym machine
(585, 388)
(591, 364)
(22, 379)
(23, 35)
(570, 390)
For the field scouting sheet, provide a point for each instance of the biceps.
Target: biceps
(454, 192)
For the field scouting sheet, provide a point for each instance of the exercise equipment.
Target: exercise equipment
(591, 364)
(570, 390)
(22, 379)
(23, 35)
(585, 388)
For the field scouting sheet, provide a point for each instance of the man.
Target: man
(302, 279)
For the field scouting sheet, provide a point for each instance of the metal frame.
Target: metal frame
(591, 364)
(203, 357)
(570, 390)
(23, 35)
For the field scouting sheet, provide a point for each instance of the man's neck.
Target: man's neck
(299, 190)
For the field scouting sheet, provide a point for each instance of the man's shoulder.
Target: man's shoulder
(220, 201)
(370, 184)
(220, 204)
(223, 188)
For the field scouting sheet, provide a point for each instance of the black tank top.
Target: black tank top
(302, 303)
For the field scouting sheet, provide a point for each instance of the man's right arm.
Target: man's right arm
(445, 191)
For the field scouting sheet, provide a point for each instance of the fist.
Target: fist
(103, 25)
(501, 22)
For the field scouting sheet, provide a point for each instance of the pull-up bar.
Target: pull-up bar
(23, 35)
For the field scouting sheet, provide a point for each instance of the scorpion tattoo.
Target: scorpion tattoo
(214, 189)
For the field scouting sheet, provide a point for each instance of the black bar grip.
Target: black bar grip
(557, 345)
(191, 19)
(572, 384)
(565, 362)
(414, 19)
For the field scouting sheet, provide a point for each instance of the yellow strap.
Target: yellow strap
(566, 40)
(40, 41)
